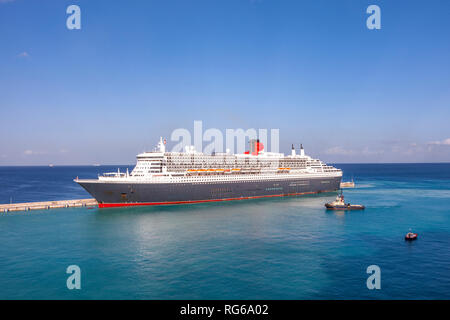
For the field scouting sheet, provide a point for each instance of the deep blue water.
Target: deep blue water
(288, 248)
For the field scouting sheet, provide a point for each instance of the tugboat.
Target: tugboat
(411, 236)
(339, 204)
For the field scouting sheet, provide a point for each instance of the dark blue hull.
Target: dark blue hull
(128, 194)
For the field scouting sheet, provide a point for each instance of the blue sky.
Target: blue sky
(140, 69)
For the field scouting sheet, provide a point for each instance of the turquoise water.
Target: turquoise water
(289, 248)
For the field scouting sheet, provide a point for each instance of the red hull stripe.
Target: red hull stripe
(114, 205)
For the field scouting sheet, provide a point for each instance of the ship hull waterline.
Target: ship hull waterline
(125, 194)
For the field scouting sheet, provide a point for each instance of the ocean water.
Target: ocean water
(287, 248)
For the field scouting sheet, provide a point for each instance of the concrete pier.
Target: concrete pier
(47, 205)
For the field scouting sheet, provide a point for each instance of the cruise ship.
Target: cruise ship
(167, 178)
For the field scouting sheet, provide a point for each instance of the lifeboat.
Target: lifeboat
(283, 170)
(191, 171)
(339, 204)
(410, 236)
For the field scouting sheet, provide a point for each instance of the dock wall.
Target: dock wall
(47, 205)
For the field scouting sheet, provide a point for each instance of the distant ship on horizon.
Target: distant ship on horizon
(164, 178)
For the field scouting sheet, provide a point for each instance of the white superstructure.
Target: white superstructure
(192, 166)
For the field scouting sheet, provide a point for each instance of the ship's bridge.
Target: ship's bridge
(149, 163)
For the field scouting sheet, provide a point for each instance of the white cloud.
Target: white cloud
(23, 54)
(445, 142)
(338, 151)
(366, 151)
(33, 153)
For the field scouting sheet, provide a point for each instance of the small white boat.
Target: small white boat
(347, 184)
